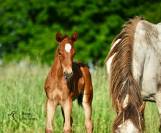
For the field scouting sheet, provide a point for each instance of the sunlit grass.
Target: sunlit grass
(22, 100)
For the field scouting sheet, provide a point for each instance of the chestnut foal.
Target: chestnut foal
(65, 82)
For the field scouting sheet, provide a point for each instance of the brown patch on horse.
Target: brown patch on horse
(122, 82)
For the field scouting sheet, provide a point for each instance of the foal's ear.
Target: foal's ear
(59, 37)
(74, 36)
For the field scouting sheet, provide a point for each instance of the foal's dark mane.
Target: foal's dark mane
(121, 79)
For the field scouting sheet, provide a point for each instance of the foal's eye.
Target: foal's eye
(60, 53)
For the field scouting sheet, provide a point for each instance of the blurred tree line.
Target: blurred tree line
(28, 27)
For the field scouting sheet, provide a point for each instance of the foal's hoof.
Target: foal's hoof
(48, 131)
(89, 130)
(68, 131)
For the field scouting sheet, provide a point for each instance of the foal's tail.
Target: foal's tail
(125, 91)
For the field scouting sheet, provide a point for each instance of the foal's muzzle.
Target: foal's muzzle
(68, 75)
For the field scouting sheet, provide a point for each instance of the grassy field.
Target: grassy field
(22, 101)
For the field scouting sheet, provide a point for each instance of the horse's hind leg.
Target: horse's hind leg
(50, 110)
(87, 106)
(158, 102)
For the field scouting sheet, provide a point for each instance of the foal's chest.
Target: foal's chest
(63, 90)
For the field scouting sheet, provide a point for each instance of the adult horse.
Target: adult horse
(134, 69)
(65, 82)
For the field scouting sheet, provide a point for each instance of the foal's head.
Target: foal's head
(66, 53)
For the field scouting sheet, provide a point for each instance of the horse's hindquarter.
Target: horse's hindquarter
(87, 86)
(146, 66)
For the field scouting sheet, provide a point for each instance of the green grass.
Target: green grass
(22, 101)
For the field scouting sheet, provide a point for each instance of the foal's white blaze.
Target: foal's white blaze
(126, 100)
(127, 127)
(68, 47)
(108, 63)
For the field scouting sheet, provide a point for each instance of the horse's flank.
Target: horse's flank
(147, 58)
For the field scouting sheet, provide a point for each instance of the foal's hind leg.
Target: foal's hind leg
(158, 103)
(50, 110)
(87, 106)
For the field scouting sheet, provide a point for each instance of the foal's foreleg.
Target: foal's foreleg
(63, 114)
(67, 109)
(71, 119)
(87, 106)
(50, 110)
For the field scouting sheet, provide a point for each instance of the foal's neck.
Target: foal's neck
(57, 68)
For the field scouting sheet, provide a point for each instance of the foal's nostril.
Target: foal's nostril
(71, 73)
(68, 75)
(65, 73)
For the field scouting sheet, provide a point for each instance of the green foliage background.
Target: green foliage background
(28, 27)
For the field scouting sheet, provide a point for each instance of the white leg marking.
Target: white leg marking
(51, 106)
(88, 114)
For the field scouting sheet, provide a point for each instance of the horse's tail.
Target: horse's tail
(125, 91)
